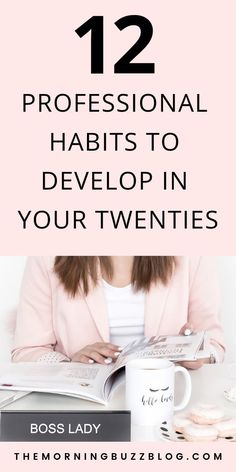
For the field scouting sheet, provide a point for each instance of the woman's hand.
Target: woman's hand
(102, 353)
(192, 365)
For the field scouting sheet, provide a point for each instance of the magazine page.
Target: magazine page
(94, 382)
(179, 348)
(205, 348)
(174, 348)
(72, 379)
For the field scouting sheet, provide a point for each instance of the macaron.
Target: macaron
(197, 432)
(206, 414)
(180, 421)
(226, 428)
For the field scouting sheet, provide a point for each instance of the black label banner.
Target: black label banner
(65, 426)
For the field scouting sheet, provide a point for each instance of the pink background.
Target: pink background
(193, 47)
(8, 449)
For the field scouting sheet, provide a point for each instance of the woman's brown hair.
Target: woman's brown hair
(76, 272)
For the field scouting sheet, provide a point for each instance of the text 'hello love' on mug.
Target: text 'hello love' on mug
(150, 390)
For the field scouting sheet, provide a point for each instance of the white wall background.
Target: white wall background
(11, 270)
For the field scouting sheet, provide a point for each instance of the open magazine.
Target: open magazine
(96, 382)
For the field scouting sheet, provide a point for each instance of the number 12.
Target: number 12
(124, 66)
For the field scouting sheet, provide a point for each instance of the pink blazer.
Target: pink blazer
(48, 319)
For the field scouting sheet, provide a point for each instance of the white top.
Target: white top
(125, 312)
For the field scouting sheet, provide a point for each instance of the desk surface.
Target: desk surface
(208, 383)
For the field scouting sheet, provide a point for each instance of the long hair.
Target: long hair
(76, 272)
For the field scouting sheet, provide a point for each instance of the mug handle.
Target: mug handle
(188, 388)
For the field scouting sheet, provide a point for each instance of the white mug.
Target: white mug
(150, 390)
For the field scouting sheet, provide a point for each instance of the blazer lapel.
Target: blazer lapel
(97, 306)
(154, 308)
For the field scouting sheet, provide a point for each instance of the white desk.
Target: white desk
(209, 383)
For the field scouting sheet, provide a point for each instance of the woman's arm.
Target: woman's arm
(34, 336)
(204, 305)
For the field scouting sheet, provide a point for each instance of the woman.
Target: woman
(85, 309)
